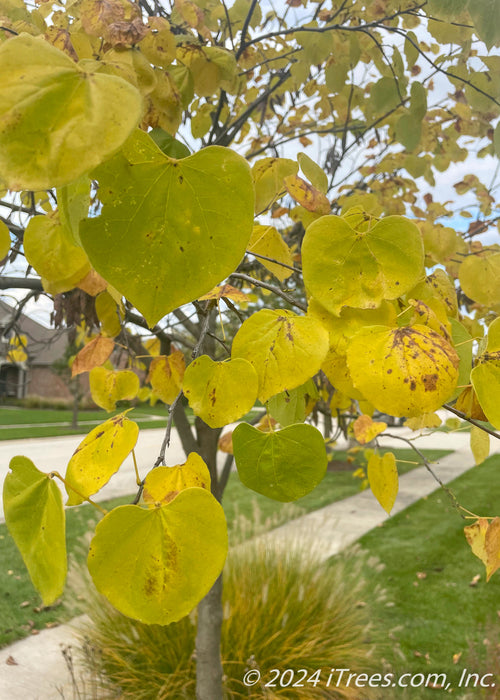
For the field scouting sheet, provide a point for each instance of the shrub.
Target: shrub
(281, 610)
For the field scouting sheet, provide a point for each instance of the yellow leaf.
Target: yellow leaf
(92, 283)
(285, 349)
(99, 456)
(166, 373)
(468, 404)
(480, 277)
(268, 175)
(94, 354)
(366, 430)
(108, 314)
(383, 478)
(226, 291)
(266, 240)
(162, 484)
(426, 420)
(479, 444)
(153, 346)
(4, 240)
(306, 195)
(107, 387)
(220, 392)
(492, 545)
(225, 443)
(476, 537)
(403, 371)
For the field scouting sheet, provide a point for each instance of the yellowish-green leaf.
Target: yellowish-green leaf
(483, 537)
(426, 420)
(4, 240)
(289, 407)
(285, 349)
(314, 173)
(34, 515)
(108, 386)
(268, 176)
(73, 202)
(403, 371)
(266, 240)
(50, 249)
(162, 484)
(159, 46)
(366, 429)
(337, 372)
(479, 444)
(94, 354)
(42, 145)
(99, 456)
(187, 238)
(283, 465)
(347, 267)
(108, 314)
(383, 477)
(156, 564)
(220, 392)
(480, 277)
(166, 373)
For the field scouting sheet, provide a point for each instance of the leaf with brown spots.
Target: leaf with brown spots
(99, 456)
(366, 429)
(403, 371)
(156, 564)
(166, 374)
(306, 195)
(220, 392)
(92, 355)
(162, 484)
(226, 291)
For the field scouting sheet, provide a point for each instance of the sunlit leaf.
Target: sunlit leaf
(220, 392)
(403, 371)
(162, 484)
(283, 465)
(366, 429)
(42, 146)
(284, 349)
(173, 217)
(166, 373)
(383, 477)
(345, 267)
(154, 567)
(94, 354)
(34, 515)
(479, 444)
(108, 386)
(99, 456)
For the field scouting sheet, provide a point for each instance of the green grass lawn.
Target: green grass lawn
(13, 417)
(247, 513)
(434, 612)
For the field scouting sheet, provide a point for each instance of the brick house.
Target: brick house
(35, 376)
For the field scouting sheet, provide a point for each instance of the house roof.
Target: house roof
(45, 345)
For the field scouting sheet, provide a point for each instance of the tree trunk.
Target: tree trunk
(76, 402)
(208, 633)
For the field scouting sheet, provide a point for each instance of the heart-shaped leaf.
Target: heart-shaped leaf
(403, 371)
(170, 230)
(285, 349)
(99, 456)
(220, 392)
(347, 267)
(58, 119)
(166, 373)
(107, 387)
(156, 564)
(283, 465)
(162, 484)
(383, 477)
(34, 514)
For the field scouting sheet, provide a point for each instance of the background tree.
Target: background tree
(126, 130)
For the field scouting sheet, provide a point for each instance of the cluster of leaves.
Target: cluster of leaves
(378, 311)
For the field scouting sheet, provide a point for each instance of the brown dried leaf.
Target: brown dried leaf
(307, 195)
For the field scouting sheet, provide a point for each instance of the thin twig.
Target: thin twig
(271, 288)
(471, 420)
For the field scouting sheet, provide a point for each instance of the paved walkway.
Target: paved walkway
(39, 668)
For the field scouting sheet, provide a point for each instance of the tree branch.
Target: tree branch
(271, 288)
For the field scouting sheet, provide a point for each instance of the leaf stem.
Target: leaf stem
(85, 498)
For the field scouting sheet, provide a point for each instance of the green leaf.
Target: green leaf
(50, 249)
(383, 478)
(266, 240)
(462, 342)
(220, 392)
(108, 386)
(409, 131)
(4, 240)
(187, 222)
(403, 371)
(314, 173)
(156, 564)
(486, 17)
(480, 277)
(285, 349)
(289, 407)
(384, 96)
(58, 119)
(347, 267)
(496, 139)
(99, 456)
(168, 144)
(34, 514)
(283, 465)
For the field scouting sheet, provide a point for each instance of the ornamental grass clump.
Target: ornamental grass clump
(282, 610)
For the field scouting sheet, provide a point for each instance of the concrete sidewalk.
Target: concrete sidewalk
(39, 668)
